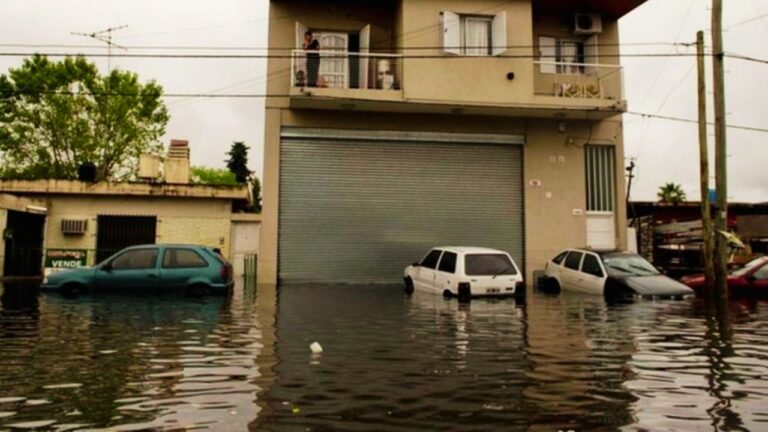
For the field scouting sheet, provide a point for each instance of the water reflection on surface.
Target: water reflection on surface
(390, 362)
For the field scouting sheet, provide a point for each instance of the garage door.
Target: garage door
(359, 206)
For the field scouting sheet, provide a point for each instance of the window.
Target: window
(430, 261)
(761, 274)
(182, 258)
(488, 265)
(559, 259)
(448, 263)
(600, 161)
(474, 35)
(591, 266)
(567, 56)
(573, 260)
(135, 260)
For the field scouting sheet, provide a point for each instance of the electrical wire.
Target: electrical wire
(325, 55)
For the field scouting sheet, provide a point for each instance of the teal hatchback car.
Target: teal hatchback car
(195, 270)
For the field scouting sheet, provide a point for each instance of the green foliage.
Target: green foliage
(238, 161)
(671, 193)
(256, 190)
(56, 115)
(212, 176)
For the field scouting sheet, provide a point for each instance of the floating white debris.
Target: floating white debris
(62, 386)
(11, 399)
(32, 424)
(316, 348)
(4, 414)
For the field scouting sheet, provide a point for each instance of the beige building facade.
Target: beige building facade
(100, 218)
(432, 122)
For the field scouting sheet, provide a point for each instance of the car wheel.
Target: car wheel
(198, 290)
(409, 286)
(521, 294)
(447, 294)
(73, 288)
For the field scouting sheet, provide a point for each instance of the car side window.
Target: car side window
(573, 260)
(182, 258)
(761, 274)
(448, 263)
(591, 266)
(136, 259)
(559, 259)
(430, 261)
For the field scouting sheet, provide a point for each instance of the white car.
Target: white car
(465, 272)
(615, 274)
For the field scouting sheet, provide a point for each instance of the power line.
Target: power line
(326, 55)
(265, 48)
(746, 21)
(746, 58)
(685, 120)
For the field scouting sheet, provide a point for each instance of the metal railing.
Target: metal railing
(346, 70)
(582, 80)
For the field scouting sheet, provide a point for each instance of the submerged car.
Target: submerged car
(750, 280)
(195, 270)
(614, 274)
(466, 272)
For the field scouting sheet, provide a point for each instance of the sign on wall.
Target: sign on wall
(63, 259)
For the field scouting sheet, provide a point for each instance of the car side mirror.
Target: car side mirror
(416, 264)
(107, 267)
(751, 278)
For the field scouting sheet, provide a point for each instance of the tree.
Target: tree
(212, 176)
(671, 193)
(238, 161)
(256, 190)
(55, 116)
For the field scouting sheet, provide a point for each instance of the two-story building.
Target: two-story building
(425, 122)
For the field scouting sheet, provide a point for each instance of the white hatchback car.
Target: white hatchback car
(615, 274)
(466, 272)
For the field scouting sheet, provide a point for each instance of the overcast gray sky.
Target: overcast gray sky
(665, 151)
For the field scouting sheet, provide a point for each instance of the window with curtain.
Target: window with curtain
(476, 35)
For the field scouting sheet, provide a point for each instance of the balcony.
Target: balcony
(580, 84)
(346, 75)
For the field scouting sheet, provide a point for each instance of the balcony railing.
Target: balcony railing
(346, 70)
(580, 80)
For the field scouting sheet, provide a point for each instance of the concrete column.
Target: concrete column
(267, 265)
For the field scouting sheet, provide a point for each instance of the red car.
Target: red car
(750, 280)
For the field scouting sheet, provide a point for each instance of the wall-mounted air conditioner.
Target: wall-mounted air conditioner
(587, 23)
(74, 226)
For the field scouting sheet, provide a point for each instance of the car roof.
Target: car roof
(166, 245)
(469, 249)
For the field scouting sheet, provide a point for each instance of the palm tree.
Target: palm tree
(671, 193)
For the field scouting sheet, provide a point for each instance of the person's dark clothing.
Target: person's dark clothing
(313, 62)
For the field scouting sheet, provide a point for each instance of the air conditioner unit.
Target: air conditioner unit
(587, 23)
(74, 226)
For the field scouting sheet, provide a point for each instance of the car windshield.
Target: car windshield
(488, 265)
(628, 265)
(749, 266)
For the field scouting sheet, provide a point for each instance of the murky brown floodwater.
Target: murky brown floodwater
(120, 362)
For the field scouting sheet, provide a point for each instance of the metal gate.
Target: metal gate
(118, 232)
(23, 244)
(358, 206)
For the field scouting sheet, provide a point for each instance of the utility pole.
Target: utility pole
(706, 210)
(721, 170)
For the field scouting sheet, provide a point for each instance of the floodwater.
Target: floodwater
(390, 362)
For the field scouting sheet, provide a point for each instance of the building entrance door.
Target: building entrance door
(24, 234)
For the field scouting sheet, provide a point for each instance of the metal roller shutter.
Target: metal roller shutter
(357, 207)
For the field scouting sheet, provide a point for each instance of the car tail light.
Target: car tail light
(226, 272)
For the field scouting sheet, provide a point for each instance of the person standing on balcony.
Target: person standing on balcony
(312, 47)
